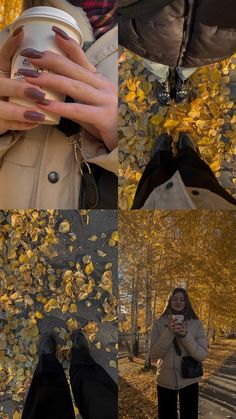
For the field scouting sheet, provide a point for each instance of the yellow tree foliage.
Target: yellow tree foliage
(166, 249)
(9, 11)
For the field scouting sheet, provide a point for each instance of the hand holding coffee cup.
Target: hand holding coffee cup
(14, 116)
(38, 35)
(177, 324)
(95, 97)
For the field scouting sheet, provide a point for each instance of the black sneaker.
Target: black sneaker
(79, 340)
(163, 93)
(47, 345)
(181, 89)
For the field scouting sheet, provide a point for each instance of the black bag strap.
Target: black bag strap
(177, 348)
(99, 188)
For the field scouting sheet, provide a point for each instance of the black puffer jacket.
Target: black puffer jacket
(190, 33)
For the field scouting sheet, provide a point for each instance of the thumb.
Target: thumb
(9, 47)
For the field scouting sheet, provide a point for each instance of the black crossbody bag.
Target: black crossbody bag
(190, 368)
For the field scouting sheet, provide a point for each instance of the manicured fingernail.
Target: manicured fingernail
(44, 102)
(29, 73)
(32, 53)
(60, 33)
(34, 116)
(17, 31)
(34, 93)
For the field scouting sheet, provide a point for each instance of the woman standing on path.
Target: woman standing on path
(172, 340)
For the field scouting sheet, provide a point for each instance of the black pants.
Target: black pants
(49, 397)
(188, 402)
(193, 170)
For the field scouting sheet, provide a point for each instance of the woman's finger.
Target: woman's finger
(17, 125)
(78, 90)
(74, 111)
(20, 89)
(72, 49)
(12, 111)
(63, 66)
(9, 47)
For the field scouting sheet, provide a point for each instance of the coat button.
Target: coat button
(53, 177)
(169, 185)
(195, 192)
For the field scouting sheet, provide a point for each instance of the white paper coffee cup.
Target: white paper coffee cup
(178, 317)
(38, 22)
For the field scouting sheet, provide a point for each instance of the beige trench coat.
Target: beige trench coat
(194, 344)
(173, 194)
(27, 158)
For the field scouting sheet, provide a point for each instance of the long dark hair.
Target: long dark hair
(188, 311)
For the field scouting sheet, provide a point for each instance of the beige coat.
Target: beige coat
(194, 344)
(173, 194)
(27, 158)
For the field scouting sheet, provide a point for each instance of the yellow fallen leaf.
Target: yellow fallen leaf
(101, 253)
(73, 308)
(130, 96)
(114, 236)
(89, 268)
(72, 324)
(215, 166)
(64, 227)
(112, 364)
(51, 304)
(93, 238)
(170, 123)
(111, 243)
(86, 259)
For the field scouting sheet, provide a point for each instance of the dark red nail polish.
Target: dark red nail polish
(17, 31)
(32, 53)
(34, 93)
(34, 116)
(60, 33)
(44, 102)
(29, 73)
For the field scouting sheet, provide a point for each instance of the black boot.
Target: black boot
(185, 141)
(181, 89)
(79, 340)
(47, 345)
(163, 93)
(163, 143)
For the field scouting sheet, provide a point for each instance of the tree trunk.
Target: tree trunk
(147, 364)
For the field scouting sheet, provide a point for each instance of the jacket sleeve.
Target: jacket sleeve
(160, 341)
(197, 346)
(95, 151)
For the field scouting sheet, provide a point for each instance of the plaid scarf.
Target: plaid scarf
(101, 14)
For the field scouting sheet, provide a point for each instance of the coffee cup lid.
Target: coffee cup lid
(48, 13)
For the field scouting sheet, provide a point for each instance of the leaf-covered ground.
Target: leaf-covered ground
(137, 389)
(57, 272)
(210, 118)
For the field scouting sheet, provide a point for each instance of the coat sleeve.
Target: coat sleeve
(196, 347)
(160, 341)
(95, 151)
